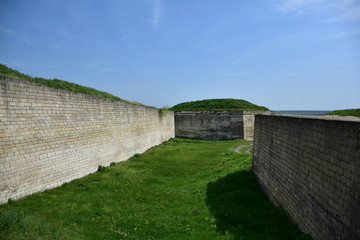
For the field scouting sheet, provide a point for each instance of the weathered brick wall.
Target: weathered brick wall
(311, 168)
(215, 124)
(50, 136)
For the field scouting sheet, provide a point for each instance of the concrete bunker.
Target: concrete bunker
(216, 125)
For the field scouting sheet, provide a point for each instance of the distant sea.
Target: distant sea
(301, 112)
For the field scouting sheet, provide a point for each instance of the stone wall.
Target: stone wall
(311, 168)
(50, 136)
(215, 125)
(248, 125)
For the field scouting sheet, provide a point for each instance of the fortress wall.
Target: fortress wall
(215, 125)
(249, 122)
(311, 168)
(209, 124)
(50, 136)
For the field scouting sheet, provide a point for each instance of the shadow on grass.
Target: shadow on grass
(241, 209)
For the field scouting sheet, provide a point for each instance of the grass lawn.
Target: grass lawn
(182, 189)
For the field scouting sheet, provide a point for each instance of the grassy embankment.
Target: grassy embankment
(346, 112)
(217, 105)
(182, 189)
(60, 84)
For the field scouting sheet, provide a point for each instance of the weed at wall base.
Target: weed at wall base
(101, 168)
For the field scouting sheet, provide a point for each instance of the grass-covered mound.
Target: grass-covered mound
(217, 105)
(57, 83)
(346, 112)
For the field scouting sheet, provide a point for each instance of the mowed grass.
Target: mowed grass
(182, 189)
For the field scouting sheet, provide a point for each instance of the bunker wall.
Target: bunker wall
(216, 125)
(211, 125)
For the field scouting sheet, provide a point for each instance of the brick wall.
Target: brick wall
(311, 168)
(50, 136)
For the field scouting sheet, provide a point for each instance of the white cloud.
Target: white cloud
(347, 9)
(344, 34)
(156, 16)
(339, 9)
(295, 5)
(125, 37)
(238, 74)
(54, 29)
(16, 35)
(98, 67)
(65, 33)
(7, 31)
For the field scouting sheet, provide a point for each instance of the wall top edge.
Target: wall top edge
(224, 112)
(314, 117)
(88, 96)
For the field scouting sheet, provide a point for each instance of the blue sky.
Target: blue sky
(283, 54)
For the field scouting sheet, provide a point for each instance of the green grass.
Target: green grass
(60, 84)
(217, 104)
(346, 112)
(182, 189)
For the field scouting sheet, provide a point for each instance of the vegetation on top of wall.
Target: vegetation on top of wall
(346, 112)
(163, 111)
(60, 84)
(217, 105)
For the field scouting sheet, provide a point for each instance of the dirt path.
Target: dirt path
(247, 146)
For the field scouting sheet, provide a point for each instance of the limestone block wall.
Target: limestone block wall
(50, 136)
(215, 125)
(248, 124)
(311, 168)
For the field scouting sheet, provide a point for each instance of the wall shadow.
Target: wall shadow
(241, 209)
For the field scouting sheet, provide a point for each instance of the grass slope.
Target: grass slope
(346, 112)
(217, 104)
(182, 189)
(56, 83)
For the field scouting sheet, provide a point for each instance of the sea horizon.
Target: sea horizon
(301, 112)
